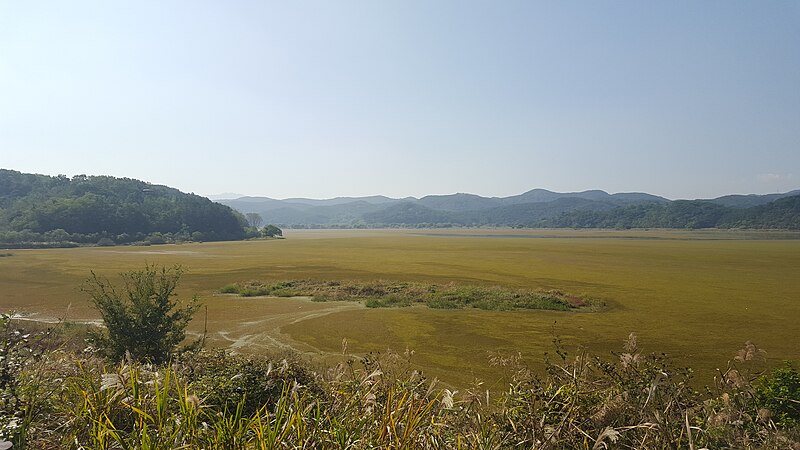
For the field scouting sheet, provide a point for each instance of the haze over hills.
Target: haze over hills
(746, 201)
(534, 208)
(88, 209)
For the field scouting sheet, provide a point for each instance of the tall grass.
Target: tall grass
(224, 401)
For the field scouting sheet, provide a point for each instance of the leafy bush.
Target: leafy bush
(226, 382)
(229, 289)
(779, 392)
(143, 319)
(259, 289)
(272, 231)
(254, 291)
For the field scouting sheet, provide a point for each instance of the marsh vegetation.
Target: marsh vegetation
(689, 294)
(674, 289)
(382, 294)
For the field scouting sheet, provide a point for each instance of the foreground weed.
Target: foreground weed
(632, 400)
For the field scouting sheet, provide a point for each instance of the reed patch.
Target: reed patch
(384, 294)
(632, 399)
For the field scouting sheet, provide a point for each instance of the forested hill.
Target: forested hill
(536, 208)
(783, 213)
(45, 210)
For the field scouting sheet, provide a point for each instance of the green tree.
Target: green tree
(143, 317)
(272, 231)
(254, 219)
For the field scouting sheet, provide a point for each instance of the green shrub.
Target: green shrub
(226, 382)
(229, 289)
(259, 289)
(142, 318)
(396, 300)
(271, 231)
(254, 291)
(779, 392)
(374, 303)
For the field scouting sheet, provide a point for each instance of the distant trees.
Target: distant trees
(690, 214)
(254, 219)
(143, 317)
(272, 231)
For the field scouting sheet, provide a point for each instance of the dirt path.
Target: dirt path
(250, 325)
(261, 329)
(51, 320)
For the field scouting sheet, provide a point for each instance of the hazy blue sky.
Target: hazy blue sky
(332, 98)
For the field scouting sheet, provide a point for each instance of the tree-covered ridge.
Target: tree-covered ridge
(783, 213)
(534, 209)
(87, 209)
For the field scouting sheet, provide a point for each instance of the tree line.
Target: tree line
(780, 214)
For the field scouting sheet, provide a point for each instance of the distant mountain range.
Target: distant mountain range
(40, 210)
(535, 208)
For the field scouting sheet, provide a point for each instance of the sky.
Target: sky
(320, 99)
